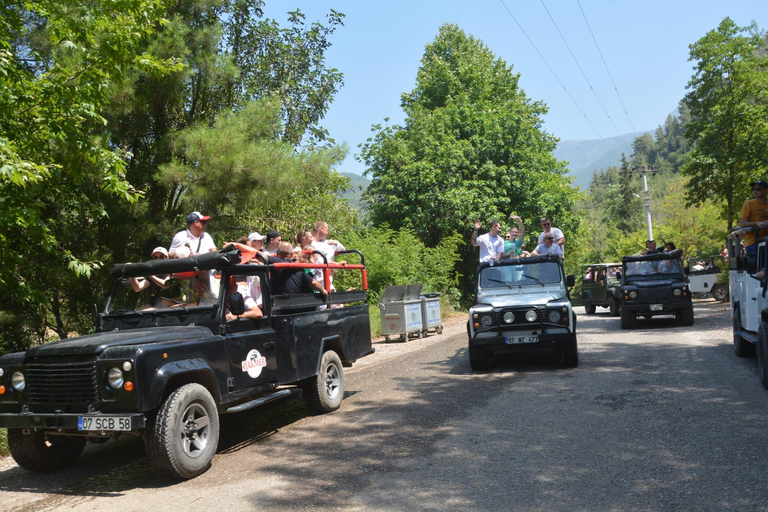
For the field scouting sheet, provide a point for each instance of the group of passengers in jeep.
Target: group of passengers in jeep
(494, 248)
(201, 288)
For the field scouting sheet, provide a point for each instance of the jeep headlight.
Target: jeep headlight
(486, 320)
(18, 382)
(633, 295)
(530, 315)
(554, 316)
(678, 292)
(509, 317)
(115, 378)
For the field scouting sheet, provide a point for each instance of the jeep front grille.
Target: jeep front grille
(62, 383)
(654, 294)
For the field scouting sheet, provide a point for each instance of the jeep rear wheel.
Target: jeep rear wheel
(182, 438)
(628, 319)
(762, 354)
(39, 452)
(589, 307)
(324, 392)
(478, 361)
(719, 293)
(741, 347)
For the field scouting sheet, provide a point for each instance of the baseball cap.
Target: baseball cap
(195, 216)
(271, 235)
(256, 236)
(759, 183)
(161, 250)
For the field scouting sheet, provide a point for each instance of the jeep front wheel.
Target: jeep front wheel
(569, 353)
(39, 452)
(628, 319)
(324, 392)
(762, 354)
(478, 361)
(719, 293)
(614, 306)
(741, 347)
(182, 438)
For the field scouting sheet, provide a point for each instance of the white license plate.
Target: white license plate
(656, 307)
(514, 340)
(104, 423)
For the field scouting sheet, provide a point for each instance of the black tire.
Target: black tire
(182, 437)
(478, 361)
(741, 347)
(589, 307)
(614, 306)
(324, 392)
(686, 316)
(628, 319)
(762, 353)
(569, 353)
(37, 452)
(439, 329)
(719, 293)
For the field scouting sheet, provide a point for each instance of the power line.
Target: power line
(606, 68)
(582, 71)
(551, 70)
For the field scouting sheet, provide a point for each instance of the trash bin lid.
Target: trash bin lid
(412, 291)
(392, 294)
(430, 295)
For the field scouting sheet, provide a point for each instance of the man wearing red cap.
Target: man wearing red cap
(194, 237)
(754, 213)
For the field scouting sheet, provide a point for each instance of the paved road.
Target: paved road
(658, 418)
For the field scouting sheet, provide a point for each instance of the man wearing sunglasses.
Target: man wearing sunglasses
(559, 239)
(754, 213)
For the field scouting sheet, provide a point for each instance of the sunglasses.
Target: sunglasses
(161, 257)
(545, 224)
(757, 189)
(549, 238)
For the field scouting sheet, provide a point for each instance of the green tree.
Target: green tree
(57, 60)
(472, 146)
(728, 102)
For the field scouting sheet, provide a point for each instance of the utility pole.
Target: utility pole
(646, 196)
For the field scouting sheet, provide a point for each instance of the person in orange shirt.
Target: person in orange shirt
(754, 213)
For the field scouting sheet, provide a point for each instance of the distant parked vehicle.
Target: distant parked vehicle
(702, 277)
(600, 286)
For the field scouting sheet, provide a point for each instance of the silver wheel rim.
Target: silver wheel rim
(195, 427)
(332, 381)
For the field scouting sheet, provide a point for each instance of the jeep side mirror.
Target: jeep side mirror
(236, 304)
(570, 281)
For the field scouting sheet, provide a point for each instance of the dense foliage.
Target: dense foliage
(472, 146)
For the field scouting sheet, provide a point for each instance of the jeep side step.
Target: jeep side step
(748, 335)
(260, 401)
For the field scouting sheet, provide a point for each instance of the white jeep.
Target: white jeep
(749, 301)
(522, 305)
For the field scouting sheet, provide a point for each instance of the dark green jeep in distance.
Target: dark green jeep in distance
(654, 285)
(600, 286)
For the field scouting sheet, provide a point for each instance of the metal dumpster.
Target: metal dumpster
(400, 308)
(430, 313)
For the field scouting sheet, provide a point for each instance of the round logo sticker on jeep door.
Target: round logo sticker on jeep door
(253, 363)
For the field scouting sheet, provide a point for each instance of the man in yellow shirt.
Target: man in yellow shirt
(754, 213)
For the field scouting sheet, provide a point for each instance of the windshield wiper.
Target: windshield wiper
(502, 282)
(531, 277)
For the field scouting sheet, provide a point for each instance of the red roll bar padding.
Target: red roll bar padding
(365, 280)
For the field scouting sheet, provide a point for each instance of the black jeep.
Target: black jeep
(165, 362)
(654, 285)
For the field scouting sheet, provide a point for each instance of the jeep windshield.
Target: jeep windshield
(520, 275)
(650, 269)
(145, 294)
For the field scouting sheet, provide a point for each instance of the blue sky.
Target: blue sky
(645, 45)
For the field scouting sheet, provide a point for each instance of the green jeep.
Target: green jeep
(601, 287)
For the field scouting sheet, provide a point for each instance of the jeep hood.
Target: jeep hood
(96, 343)
(522, 300)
